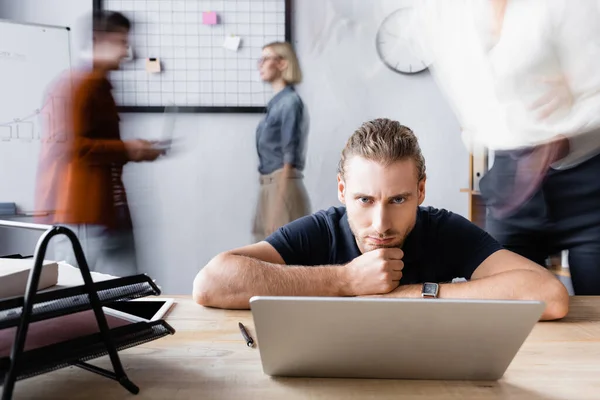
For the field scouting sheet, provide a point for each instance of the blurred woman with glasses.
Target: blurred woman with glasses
(281, 143)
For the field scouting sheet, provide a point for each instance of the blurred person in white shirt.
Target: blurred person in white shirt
(523, 77)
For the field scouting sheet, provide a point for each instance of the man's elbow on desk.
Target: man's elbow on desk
(200, 292)
(206, 285)
(544, 286)
(558, 305)
(212, 286)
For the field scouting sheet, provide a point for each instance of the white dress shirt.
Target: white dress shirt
(548, 51)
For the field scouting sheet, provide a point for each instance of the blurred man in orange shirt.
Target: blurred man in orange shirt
(81, 164)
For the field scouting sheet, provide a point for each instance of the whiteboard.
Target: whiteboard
(198, 72)
(31, 57)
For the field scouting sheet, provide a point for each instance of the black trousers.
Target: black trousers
(563, 214)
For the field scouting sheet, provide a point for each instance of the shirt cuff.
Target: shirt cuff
(289, 158)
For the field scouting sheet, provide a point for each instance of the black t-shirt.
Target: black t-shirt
(441, 247)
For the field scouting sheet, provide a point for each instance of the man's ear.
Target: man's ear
(421, 190)
(341, 185)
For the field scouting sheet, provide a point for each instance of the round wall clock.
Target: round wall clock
(393, 46)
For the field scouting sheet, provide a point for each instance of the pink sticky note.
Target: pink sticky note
(209, 18)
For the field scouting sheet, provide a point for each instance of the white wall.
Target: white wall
(200, 201)
(346, 84)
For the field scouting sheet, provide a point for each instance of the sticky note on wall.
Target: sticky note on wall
(153, 65)
(209, 18)
(232, 43)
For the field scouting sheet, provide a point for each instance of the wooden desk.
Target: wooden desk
(207, 359)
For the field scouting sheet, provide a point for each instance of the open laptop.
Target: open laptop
(390, 338)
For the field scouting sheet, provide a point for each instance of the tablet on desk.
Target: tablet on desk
(140, 310)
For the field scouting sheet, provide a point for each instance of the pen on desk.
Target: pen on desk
(247, 338)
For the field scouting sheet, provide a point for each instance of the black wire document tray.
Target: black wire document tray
(78, 350)
(73, 299)
(43, 332)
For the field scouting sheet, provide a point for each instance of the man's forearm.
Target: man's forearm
(510, 285)
(102, 151)
(230, 281)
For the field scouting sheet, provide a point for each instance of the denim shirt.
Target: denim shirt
(281, 135)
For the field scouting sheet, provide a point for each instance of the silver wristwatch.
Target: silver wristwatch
(430, 290)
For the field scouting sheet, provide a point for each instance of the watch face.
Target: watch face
(430, 289)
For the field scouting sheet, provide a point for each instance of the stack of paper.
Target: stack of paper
(14, 274)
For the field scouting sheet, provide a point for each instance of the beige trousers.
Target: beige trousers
(275, 208)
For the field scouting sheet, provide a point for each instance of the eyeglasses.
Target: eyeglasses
(263, 59)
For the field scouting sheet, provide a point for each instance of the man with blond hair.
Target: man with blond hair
(382, 242)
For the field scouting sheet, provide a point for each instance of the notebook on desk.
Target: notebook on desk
(390, 338)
